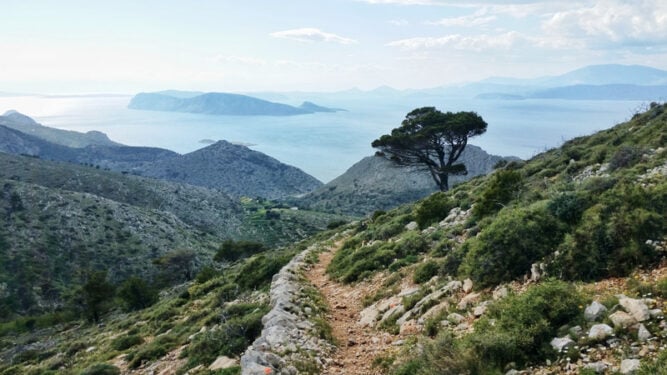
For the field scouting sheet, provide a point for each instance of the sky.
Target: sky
(127, 46)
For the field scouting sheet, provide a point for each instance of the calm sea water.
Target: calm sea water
(326, 144)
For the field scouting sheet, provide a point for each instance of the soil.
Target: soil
(357, 346)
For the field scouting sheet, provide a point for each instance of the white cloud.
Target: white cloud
(399, 22)
(612, 22)
(479, 18)
(460, 42)
(308, 34)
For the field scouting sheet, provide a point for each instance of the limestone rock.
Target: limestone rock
(643, 334)
(561, 344)
(223, 363)
(622, 319)
(455, 318)
(594, 311)
(630, 366)
(600, 332)
(479, 310)
(635, 307)
(468, 300)
(598, 367)
(500, 292)
(467, 286)
(412, 225)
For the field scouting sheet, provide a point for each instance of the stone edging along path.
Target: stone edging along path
(291, 341)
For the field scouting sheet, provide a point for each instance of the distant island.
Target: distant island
(216, 103)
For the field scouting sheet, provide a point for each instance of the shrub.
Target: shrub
(433, 209)
(126, 342)
(258, 271)
(156, 349)
(501, 188)
(101, 369)
(205, 274)
(231, 250)
(567, 207)
(506, 249)
(425, 271)
(136, 294)
(625, 157)
(336, 224)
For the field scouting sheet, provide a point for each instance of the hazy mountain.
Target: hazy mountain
(236, 170)
(312, 107)
(374, 183)
(603, 92)
(218, 104)
(15, 120)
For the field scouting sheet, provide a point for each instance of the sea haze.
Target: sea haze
(326, 144)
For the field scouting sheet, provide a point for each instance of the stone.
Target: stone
(479, 311)
(600, 332)
(622, 319)
(453, 286)
(408, 291)
(629, 366)
(643, 334)
(395, 310)
(562, 344)
(468, 300)
(597, 367)
(656, 314)
(635, 307)
(455, 318)
(223, 362)
(500, 292)
(467, 286)
(412, 225)
(535, 272)
(595, 311)
(576, 331)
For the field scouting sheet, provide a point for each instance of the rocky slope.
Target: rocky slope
(236, 170)
(374, 183)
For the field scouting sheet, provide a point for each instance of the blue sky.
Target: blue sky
(320, 45)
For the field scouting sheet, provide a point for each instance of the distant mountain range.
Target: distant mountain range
(375, 183)
(233, 169)
(216, 103)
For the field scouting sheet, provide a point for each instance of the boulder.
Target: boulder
(595, 311)
(643, 334)
(223, 362)
(635, 307)
(412, 225)
(600, 332)
(479, 311)
(455, 318)
(629, 366)
(468, 300)
(622, 319)
(597, 367)
(562, 344)
(500, 292)
(467, 286)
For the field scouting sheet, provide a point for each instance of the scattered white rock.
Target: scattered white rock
(479, 310)
(656, 314)
(598, 367)
(622, 319)
(467, 286)
(561, 344)
(91, 349)
(594, 311)
(223, 362)
(468, 300)
(629, 366)
(635, 307)
(455, 318)
(600, 332)
(408, 291)
(500, 292)
(643, 334)
(412, 225)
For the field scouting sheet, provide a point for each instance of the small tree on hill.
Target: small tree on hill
(432, 140)
(97, 292)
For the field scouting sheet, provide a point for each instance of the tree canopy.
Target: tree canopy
(431, 139)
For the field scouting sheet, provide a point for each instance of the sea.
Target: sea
(325, 145)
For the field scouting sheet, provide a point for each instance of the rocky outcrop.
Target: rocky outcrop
(289, 339)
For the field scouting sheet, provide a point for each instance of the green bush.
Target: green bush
(156, 349)
(567, 207)
(425, 271)
(625, 157)
(205, 274)
(257, 272)
(505, 250)
(136, 294)
(501, 188)
(126, 342)
(101, 369)
(231, 250)
(433, 209)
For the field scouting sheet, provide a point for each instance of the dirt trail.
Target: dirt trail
(357, 346)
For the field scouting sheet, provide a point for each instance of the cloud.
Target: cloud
(610, 23)
(307, 34)
(460, 42)
(479, 18)
(399, 22)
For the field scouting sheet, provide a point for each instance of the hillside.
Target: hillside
(375, 183)
(215, 103)
(236, 170)
(61, 220)
(25, 124)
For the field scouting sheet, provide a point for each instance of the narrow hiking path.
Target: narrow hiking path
(357, 346)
